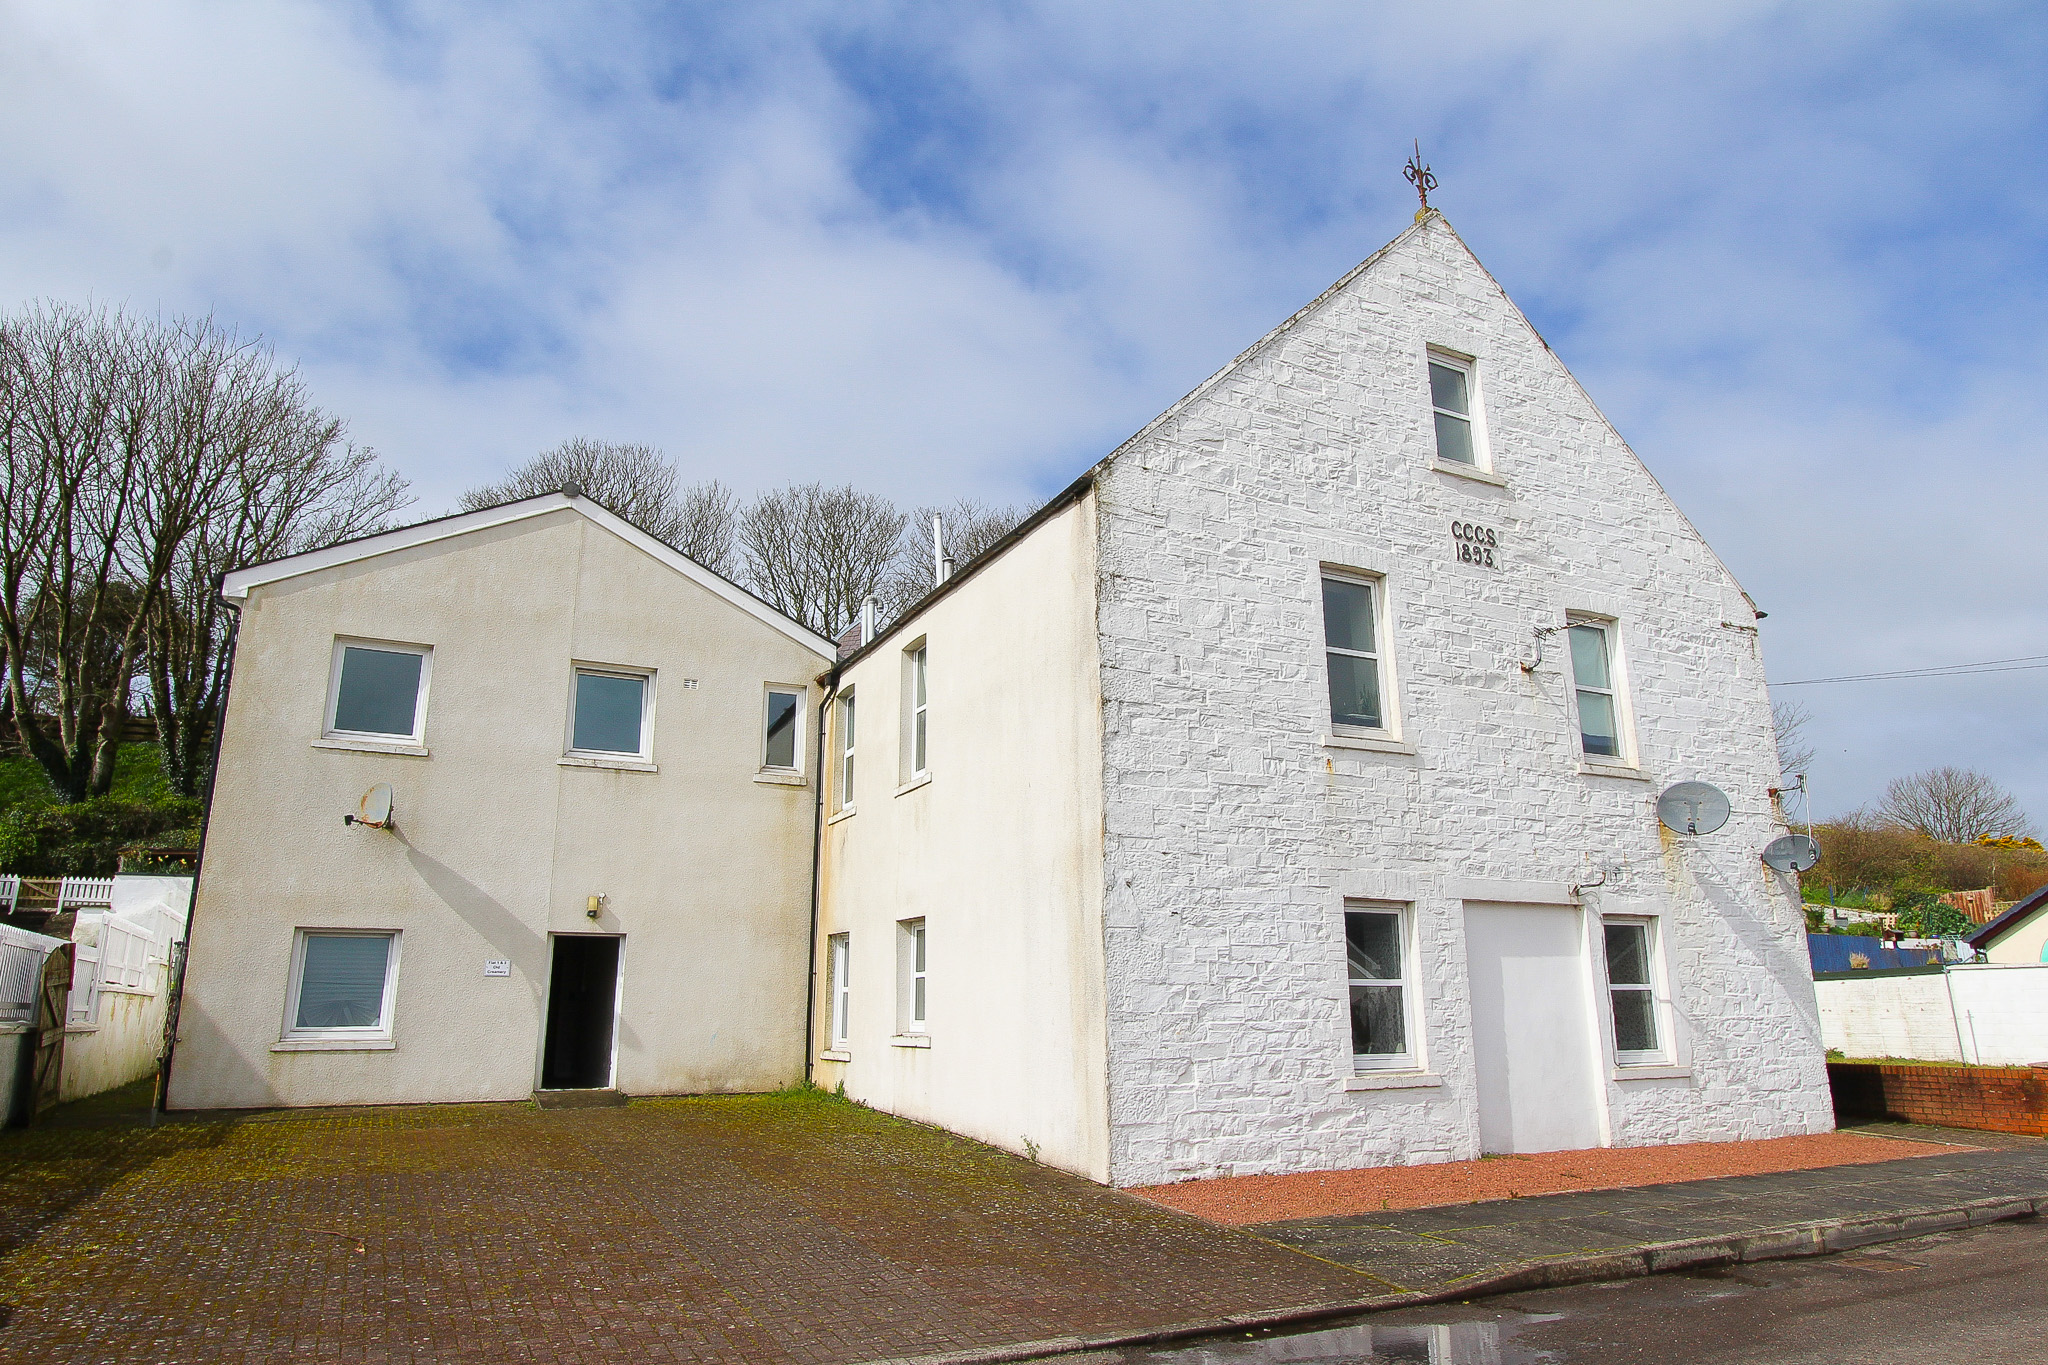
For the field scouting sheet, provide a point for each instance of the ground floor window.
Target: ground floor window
(341, 985)
(838, 988)
(1630, 990)
(910, 976)
(1376, 951)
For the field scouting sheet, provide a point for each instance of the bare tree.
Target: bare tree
(970, 528)
(1954, 805)
(248, 469)
(815, 553)
(133, 451)
(710, 526)
(1795, 750)
(637, 482)
(69, 624)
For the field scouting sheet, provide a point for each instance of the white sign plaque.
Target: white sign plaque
(497, 966)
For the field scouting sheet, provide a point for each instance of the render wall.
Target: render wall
(1889, 1016)
(1000, 853)
(1234, 833)
(497, 845)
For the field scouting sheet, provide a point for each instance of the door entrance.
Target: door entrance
(1532, 1029)
(583, 989)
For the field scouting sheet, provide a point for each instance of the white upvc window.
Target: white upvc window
(377, 690)
(1454, 408)
(782, 739)
(910, 981)
(838, 989)
(1631, 952)
(915, 699)
(1597, 692)
(611, 713)
(342, 985)
(1380, 971)
(1354, 654)
(842, 778)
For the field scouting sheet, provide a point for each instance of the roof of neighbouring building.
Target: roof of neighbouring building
(2010, 920)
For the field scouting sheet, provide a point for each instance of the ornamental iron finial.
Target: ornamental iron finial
(1417, 174)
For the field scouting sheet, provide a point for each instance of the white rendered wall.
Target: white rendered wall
(1889, 1016)
(1234, 834)
(2002, 1013)
(1000, 852)
(496, 844)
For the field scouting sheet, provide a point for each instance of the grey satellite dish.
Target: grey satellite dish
(375, 810)
(1693, 808)
(1792, 853)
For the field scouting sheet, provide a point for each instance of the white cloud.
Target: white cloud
(941, 252)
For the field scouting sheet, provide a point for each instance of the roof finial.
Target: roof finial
(1417, 174)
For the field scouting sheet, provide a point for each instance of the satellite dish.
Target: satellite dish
(1792, 853)
(375, 810)
(1693, 808)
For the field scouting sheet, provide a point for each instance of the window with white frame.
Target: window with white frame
(1631, 990)
(610, 713)
(342, 984)
(1599, 703)
(378, 691)
(1351, 651)
(1382, 988)
(910, 976)
(842, 782)
(914, 702)
(1450, 401)
(782, 735)
(838, 988)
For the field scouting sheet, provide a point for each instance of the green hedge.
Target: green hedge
(86, 839)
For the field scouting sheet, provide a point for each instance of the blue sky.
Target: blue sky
(1795, 252)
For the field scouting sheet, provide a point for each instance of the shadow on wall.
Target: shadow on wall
(474, 906)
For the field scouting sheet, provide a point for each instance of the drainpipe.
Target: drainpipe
(817, 870)
(176, 988)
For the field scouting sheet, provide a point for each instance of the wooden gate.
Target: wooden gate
(53, 1005)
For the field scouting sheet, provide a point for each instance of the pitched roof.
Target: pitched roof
(2010, 920)
(235, 586)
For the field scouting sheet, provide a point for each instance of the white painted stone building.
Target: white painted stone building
(1278, 797)
(1088, 890)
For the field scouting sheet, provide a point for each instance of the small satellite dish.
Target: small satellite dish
(1792, 853)
(375, 810)
(1693, 808)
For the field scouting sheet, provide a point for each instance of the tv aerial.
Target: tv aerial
(374, 809)
(1692, 808)
(1792, 853)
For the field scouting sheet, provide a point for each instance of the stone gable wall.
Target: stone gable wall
(1233, 833)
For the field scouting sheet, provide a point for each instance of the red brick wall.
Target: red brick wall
(2005, 1099)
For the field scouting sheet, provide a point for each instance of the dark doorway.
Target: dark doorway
(581, 993)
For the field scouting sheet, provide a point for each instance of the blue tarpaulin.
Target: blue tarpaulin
(1830, 953)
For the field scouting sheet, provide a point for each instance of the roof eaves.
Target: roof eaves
(2021, 910)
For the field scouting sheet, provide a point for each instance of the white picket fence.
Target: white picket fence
(124, 951)
(76, 893)
(10, 892)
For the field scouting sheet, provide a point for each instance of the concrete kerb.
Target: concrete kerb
(1818, 1238)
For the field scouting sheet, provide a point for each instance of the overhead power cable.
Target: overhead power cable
(2017, 665)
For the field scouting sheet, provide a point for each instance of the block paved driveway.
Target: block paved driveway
(788, 1227)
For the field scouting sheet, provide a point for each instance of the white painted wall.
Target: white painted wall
(1889, 1016)
(1994, 1015)
(1234, 833)
(1000, 852)
(496, 844)
(2002, 1012)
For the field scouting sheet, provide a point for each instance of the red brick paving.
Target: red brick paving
(1250, 1199)
(769, 1229)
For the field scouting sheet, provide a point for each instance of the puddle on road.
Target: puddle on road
(1434, 1343)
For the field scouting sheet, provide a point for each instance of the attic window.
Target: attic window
(1450, 401)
